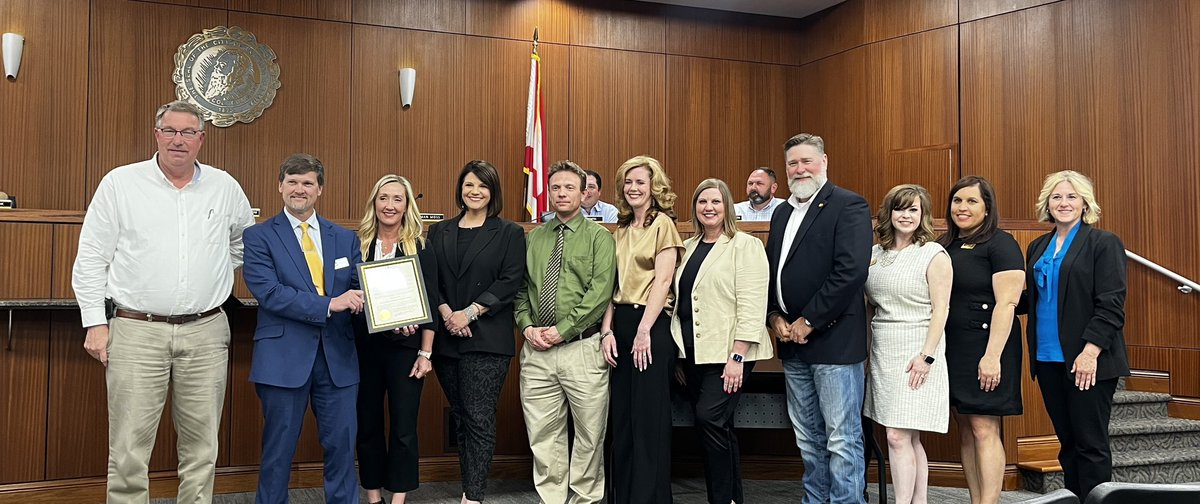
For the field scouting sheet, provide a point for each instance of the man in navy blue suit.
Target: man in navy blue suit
(303, 271)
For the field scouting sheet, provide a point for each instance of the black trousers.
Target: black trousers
(714, 411)
(472, 384)
(1080, 419)
(387, 458)
(639, 408)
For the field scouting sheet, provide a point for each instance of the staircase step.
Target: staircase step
(1153, 434)
(1140, 466)
(1132, 405)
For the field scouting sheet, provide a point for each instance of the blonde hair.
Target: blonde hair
(410, 224)
(1083, 187)
(899, 198)
(729, 223)
(662, 199)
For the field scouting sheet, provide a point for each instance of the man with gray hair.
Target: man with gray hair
(569, 279)
(760, 196)
(160, 240)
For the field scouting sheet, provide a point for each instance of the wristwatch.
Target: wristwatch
(427, 355)
(807, 323)
(737, 357)
(928, 358)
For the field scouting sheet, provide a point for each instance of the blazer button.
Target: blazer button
(697, 310)
(985, 326)
(695, 298)
(984, 306)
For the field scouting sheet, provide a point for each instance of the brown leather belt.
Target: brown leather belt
(170, 319)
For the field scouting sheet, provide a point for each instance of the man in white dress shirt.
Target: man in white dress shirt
(161, 239)
(760, 196)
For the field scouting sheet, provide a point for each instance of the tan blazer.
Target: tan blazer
(729, 299)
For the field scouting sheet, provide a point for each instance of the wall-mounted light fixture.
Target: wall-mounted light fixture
(13, 45)
(408, 80)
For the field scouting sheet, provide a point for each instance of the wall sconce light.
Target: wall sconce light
(408, 80)
(13, 45)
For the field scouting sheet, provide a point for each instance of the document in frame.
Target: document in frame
(394, 291)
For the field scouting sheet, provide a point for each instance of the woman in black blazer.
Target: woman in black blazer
(481, 262)
(1075, 286)
(392, 363)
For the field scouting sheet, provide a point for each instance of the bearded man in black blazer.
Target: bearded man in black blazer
(819, 249)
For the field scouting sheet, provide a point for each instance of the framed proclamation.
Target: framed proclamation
(394, 293)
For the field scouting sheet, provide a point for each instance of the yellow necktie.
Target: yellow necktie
(312, 258)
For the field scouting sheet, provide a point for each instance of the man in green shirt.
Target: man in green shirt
(569, 278)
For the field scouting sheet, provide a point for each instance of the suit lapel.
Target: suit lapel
(488, 231)
(1069, 260)
(814, 209)
(328, 252)
(720, 247)
(450, 244)
(287, 240)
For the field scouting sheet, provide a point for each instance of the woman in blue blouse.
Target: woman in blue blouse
(1075, 288)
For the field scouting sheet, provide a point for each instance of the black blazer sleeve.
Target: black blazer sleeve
(851, 259)
(503, 290)
(1108, 293)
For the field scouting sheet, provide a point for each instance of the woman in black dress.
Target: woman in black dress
(392, 363)
(983, 337)
(481, 264)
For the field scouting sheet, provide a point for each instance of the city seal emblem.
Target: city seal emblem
(227, 73)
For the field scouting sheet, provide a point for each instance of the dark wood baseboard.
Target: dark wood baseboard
(1037, 449)
(1148, 381)
(1184, 407)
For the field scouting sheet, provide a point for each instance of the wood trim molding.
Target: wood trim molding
(1148, 381)
(1037, 449)
(1184, 407)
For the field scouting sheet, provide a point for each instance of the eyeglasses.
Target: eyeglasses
(171, 132)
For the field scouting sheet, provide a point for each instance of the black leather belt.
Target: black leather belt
(170, 319)
(587, 333)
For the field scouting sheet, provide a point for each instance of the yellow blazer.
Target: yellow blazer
(729, 299)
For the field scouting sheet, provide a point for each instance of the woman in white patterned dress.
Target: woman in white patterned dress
(908, 294)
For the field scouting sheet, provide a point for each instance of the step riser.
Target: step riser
(1139, 411)
(1157, 473)
(1165, 441)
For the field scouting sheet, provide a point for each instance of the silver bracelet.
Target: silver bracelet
(471, 312)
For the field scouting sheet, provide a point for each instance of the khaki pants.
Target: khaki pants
(144, 359)
(571, 375)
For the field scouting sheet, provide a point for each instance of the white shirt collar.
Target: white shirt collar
(312, 221)
(796, 203)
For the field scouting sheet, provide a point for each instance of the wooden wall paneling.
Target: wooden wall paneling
(932, 168)
(332, 10)
(43, 107)
(432, 16)
(23, 374)
(25, 272)
(833, 30)
(620, 24)
(731, 35)
(1149, 358)
(310, 114)
(886, 19)
(976, 9)
(213, 4)
(1185, 375)
(416, 142)
(1034, 421)
(66, 247)
(488, 114)
(517, 19)
(617, 110)
(710, 104)
(132, 51)
(1008, 91)
(836, 106)
(775, 110)
(78, 408)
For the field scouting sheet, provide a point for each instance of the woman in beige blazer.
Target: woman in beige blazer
(718, 327)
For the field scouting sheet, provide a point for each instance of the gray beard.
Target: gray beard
(805, 189)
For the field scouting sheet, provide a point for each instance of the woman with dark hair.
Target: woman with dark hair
(637, 336)
(392, 363)
(1075, 287)
(908, 298)
(983, 338)
(481, 265)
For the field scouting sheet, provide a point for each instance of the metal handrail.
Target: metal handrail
(1185, 286)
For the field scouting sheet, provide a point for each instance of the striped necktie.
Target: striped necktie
(549, 293)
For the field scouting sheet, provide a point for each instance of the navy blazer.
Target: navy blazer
(491, 273)
(1091, 299)
(823, 276)
(292, 317)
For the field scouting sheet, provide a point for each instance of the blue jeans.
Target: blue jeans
(825, 406)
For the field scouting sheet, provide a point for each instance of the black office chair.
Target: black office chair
(1060, 496)
(871, 447)
(1142, 493)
